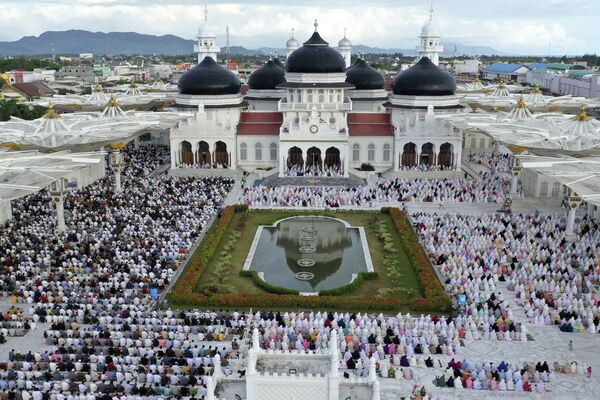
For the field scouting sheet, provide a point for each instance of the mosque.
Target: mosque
(317, 115)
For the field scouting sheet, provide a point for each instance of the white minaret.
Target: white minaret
(430, 45)
(292, 44)
(345, 49)
(207, 41)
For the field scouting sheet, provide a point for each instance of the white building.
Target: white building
(207, 41)
(315, 117)
(345, 49)
(430, 45)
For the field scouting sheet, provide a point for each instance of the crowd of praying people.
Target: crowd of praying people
(202, 165)
(553, 278)
(423, 167)
(498, 163)
(91, 288)
(314, 170)
(487, 189)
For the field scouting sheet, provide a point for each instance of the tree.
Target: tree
(2, 82)
(10, 108)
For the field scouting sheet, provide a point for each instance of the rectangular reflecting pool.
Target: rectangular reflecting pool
(309, 253)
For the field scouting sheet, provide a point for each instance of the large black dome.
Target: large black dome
(208, 79)
(315, 56)
(266, 77)
(364, 77)
(424, 79)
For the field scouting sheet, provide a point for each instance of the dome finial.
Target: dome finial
(431, 11)
(205, 13)
(316, 24)
(293, 31)
(345, 29)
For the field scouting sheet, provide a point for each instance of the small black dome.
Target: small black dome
(315, 56)
(208, 79)
(424, 79)
(278, 63)
(266, 77)
(364, 77)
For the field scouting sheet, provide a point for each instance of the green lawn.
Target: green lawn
(246, 223)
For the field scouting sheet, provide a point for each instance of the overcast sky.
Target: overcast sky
(513, 26)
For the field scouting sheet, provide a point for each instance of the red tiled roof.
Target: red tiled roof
(261, 117)
(260, 123)
(369, 124)
(370, 118)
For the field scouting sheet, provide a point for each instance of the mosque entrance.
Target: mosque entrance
(221, 156)
(409, 155)
(187, 155)
(295, 157)
(204, 153)
(427, 157)
(313, 158)
(445, 157)
(332, 157)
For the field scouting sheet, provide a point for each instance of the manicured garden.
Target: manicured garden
(403, 279)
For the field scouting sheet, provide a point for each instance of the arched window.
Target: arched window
(544, 189)
(243, 152)
(556, 188)
(355, 152)
(258, 151)
(386, 152)
(273, 152)
(371, 152)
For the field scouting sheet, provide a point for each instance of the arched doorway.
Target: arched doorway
(333, 163)
(221, 155)
(409, 155)
(187, 155)
(445, 156)
(314, 163)
(204, 157)
(295, 160)
(427, 155)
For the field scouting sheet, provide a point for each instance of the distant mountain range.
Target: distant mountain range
(132, 43)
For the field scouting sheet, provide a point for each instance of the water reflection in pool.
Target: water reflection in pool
(309, 253)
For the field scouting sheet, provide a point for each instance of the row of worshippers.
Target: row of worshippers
(487, 189)
(503, 376)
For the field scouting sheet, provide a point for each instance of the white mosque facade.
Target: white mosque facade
(315, 115)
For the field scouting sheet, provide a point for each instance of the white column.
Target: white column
(573, 202)
(334, 374)
(5, 211)
(516, 171)
(58, 189)
(346, 161)
(116, 164)
(372, 370)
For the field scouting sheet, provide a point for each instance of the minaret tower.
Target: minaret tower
(207, 41)
(345, 49)
(292, 44)
(430, 45)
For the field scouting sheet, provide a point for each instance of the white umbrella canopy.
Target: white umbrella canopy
(60, 131)
(26, 172)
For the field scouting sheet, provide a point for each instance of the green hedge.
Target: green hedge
(264, 285)
(351, 286)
